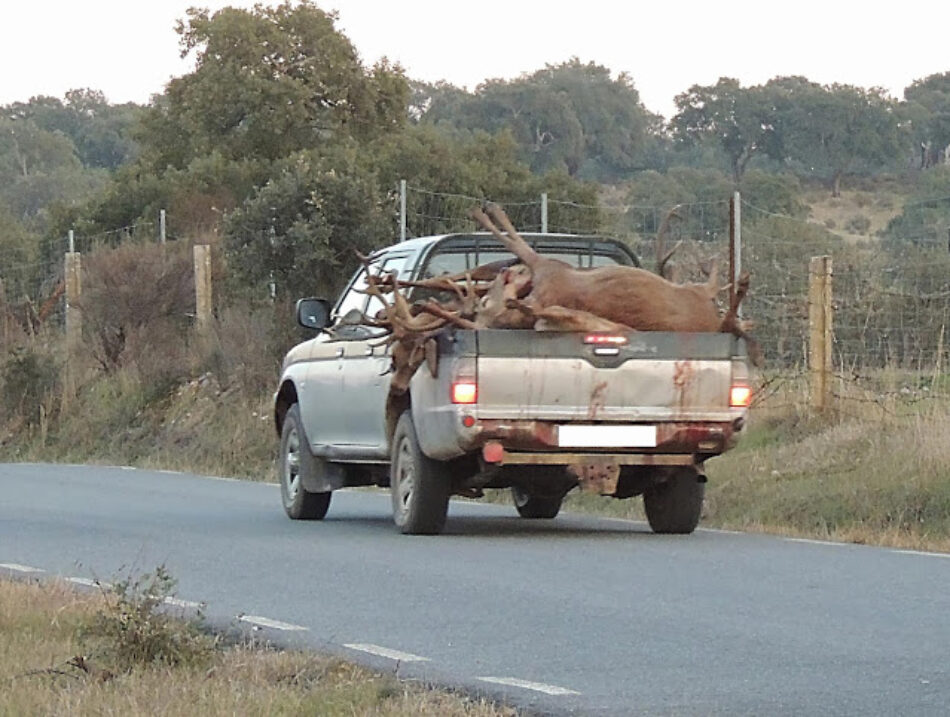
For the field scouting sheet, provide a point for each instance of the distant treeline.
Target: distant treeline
(283, 144)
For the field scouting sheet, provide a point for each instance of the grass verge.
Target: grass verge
(45, 667)
(876, 469)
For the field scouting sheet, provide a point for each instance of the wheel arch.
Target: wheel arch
(396, 405)
(285, 398)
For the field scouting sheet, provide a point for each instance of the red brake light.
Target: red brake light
(465, 391)
(740, 396)
(605, 339)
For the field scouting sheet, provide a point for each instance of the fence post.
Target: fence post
(402, 210)
(544, 212)
(202, 254)
(73, 279)
(819, 328)
(735, 245)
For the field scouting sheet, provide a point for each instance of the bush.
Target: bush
(29, 380)
(858, 224)
(137, 301)
(132, 631)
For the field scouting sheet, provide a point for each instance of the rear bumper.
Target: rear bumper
(536, 442)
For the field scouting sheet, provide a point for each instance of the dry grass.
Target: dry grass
(855, 215)
(40, 623)
(875, 470)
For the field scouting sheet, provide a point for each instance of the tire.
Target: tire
(675, 505)
(420, 487)
(534, 506)
(295, 461)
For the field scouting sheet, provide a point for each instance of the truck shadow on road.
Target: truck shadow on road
(480, 526)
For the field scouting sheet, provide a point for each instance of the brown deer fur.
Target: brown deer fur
(623, 294)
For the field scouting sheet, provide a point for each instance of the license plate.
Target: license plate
(572, 436)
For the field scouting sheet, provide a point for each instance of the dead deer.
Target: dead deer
(624, 295)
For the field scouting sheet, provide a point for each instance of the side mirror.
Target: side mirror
(313, 313)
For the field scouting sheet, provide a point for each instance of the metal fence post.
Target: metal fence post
(402, 210)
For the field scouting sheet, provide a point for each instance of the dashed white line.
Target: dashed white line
(818, 542)
(721, 530)
(268, 622)
(527, 685)
(86, 582)
(923, 552)
(386, 652)
(16, 567)
(178, 602)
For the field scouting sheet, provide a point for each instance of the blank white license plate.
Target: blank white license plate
(606, 436)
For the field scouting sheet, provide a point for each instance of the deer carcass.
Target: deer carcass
(625, 295)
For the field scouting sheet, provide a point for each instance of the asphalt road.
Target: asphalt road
(576, 615)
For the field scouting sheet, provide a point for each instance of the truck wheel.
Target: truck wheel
(674, 506)
(295, 460)
(532, 505)
(420, 487)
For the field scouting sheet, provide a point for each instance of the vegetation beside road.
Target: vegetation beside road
(69, 652)
(876, 469)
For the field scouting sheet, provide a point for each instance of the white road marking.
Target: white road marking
(923, 552)
(267, 622)
(128, 468)
(386, 652)
(16, 567)
(818, 542)
(178, 602)
(721, 530)
(171, 473)
(89, 583)
(527, 685)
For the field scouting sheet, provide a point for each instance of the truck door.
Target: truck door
(322, 388)
(366, 376)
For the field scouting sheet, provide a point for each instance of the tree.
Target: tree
(269, 82)
(929, 102)
(740, 121)
(100, 133)
(573, 116)
(830, 131)
(925, 217)
(301, 228)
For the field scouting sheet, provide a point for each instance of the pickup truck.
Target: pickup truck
(539, 413)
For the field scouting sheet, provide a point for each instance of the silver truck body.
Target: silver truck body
(560, 399)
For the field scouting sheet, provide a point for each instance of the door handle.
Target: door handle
(369, 350)
(339, 352)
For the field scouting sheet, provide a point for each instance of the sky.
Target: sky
(128, 49)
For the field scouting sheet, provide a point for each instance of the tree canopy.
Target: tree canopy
(573, 117)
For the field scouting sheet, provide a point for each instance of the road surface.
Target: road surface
(579, 615)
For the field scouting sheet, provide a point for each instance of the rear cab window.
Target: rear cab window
(459, 254)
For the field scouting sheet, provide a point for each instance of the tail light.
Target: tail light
(464, 391)
(740, 396)
(605, 340)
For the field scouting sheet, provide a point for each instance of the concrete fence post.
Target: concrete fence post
(820, 316)
(202, 254)
(73, 280)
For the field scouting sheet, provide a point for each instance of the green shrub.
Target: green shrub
(132, 631)
(858, 224)
(29, 379)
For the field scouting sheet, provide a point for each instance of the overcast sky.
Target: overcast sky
(129, 50)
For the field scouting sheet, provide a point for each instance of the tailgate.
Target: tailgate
(557, 376)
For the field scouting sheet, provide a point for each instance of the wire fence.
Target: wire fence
(891, 298)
